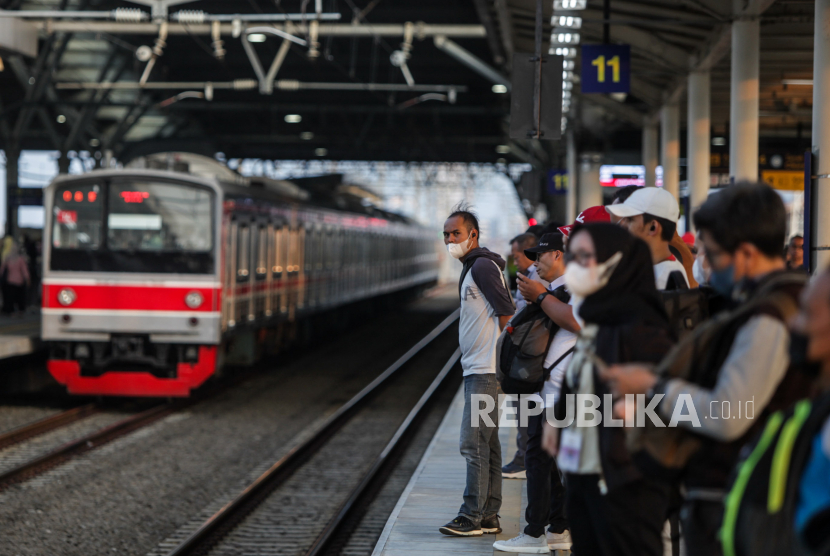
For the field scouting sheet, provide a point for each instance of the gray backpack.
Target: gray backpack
(523, 346)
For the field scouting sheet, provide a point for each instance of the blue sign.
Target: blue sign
(557, 182)
(606, 68)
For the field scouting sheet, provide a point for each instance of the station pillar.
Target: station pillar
(12, 159)
(670, 148)
(743, 104)
(650, 152)
(820, 201)
(590, 190)
(573, 177)
(698, 141)
(63, 163)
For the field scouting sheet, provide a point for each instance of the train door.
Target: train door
(243, 273)
(229, 310)
(300, 266)
(278, 270)
(270, 270)
(259, 250)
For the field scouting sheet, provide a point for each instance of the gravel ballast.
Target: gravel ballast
(137, 491)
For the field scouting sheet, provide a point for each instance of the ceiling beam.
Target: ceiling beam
(483, 11)
(422, 30)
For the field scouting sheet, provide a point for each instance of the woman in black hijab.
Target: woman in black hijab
(612, 509)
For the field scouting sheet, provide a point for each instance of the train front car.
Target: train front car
(131, 288)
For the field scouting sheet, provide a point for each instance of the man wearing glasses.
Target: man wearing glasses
(747, 366)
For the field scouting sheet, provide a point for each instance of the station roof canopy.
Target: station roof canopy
(346, 95)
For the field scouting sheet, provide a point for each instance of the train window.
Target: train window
(153, 216)
(262, 262)
(77, 217)
(243, 252)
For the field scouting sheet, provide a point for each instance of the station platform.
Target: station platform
(433, 496)
(19, 335)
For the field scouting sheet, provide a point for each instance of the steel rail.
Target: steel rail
(46, 425)
(383, 462)
(216, 526)
(86, 443)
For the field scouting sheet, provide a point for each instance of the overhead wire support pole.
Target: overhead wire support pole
(537, 75)
(606, 25)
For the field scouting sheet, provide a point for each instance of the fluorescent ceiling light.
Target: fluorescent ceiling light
(256, 37)
(321, 152)
(307, 135)
(499, 88)
(503, 149)
(562, 51)
(718, 141)
(797, 82)
(570, 4)
(293, 118)
(564, 37)
(567, 21)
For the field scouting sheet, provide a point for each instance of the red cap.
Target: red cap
(593, 214)
(689, 238)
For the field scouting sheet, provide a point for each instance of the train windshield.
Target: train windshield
(133, 226)
(147, 216)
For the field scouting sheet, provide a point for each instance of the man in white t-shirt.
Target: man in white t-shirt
(486, 306)
(545, 492)
(651, 214)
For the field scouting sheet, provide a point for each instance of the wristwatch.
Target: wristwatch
(541, 297)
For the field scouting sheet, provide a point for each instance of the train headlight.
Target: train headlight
(194, 300)
(67, 296)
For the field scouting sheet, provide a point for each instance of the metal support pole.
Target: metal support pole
(670, 148)
(698, 141)
(537, 76)
(820, 199)
(606, 25)
(650, 152)
(573, 178)
(590, 190)
(12, 159)
(63, 163)
(745, 92)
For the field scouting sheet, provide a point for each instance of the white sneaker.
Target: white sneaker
(523, 543)
(559, 541)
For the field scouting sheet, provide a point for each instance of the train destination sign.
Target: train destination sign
(606, 68)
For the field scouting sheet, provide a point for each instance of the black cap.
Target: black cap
(548, 242)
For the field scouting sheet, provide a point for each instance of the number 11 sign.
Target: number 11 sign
(606, 68)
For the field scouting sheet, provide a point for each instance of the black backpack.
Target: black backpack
(759, 517)
(685, 307)
(523, 346)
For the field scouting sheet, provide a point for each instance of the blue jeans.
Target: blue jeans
(481, 448)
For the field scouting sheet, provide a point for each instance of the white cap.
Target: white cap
(648, 200)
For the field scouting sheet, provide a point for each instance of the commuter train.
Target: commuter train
(158, 274)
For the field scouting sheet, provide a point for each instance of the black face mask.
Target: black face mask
(798, 355)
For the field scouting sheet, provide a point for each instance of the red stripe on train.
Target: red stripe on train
(140, 298)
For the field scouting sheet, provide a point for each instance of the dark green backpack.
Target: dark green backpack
(759, 517)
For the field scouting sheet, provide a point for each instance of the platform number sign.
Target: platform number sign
(606, 68)
(557, 182)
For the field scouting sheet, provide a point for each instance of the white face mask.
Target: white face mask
(698, 272)
(583, 281)
(458, 250)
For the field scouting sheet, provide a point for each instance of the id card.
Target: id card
(570, 446)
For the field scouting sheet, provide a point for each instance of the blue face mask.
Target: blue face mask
(723, 281)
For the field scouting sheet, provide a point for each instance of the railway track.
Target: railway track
(39, 464)
(344, 488)
(48, 424)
